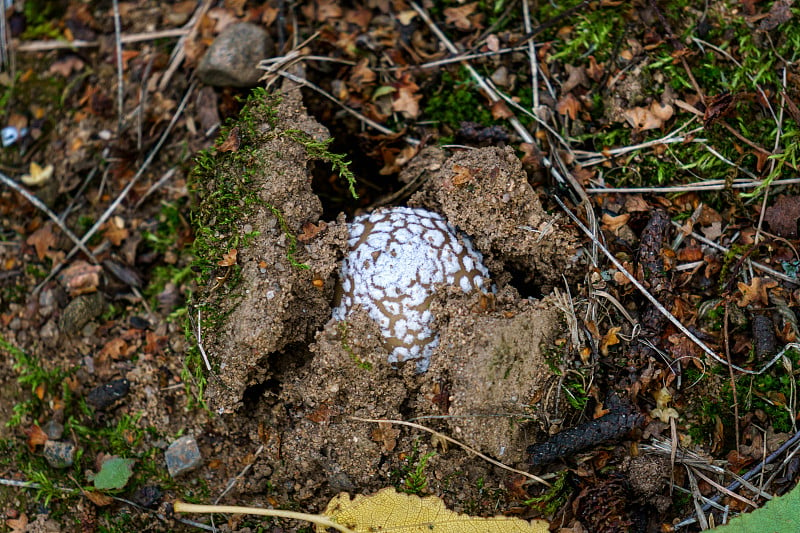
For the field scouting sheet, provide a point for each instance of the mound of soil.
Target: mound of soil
(293, 378)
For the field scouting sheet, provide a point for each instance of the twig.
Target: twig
(182, 507)
(179, 52)
(457, 443)
(371, 123)
(710, 185)
(79, 244)
(749, 475)
(235, 480)
(726, 341)
(118, 46)
(44, 46)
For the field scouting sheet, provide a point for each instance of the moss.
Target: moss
(457, 101)
(365, 365)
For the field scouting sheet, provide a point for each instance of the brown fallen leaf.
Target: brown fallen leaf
(80, 277)
(114, 230)
(42, 240)
(756, 291)
(36, 436)
(228, 258)
(459, 16)
(568, 105)
(614, 223)
(387, 435)
(406, 102)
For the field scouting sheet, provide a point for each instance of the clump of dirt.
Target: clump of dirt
(296, 378)
(275, 304)
(485, 192)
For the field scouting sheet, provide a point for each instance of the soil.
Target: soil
(293, 379)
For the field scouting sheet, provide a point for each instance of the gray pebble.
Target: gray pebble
(53, 429)
(232, 58)
(182, 456)
(59, 454)
(80, 311)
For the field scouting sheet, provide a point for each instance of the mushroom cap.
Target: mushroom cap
(396, 257)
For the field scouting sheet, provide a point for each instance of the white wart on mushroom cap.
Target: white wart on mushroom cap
(396, 257)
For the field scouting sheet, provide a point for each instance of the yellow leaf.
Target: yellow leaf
(388, 510)
(37, 175)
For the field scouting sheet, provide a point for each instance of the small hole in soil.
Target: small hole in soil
(524, 283)
(253, 394)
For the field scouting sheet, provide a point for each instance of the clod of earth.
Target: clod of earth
(396, 257)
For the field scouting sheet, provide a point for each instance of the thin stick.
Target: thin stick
(182, 507)
(44, 46)
(305, 83)
(526, 17)
(79, 244)
(232, 483)
(457, 443)
(726, 340)
(120, 88)
(179, 52)
(710, 185)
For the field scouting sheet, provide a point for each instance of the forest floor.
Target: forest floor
(667, 130)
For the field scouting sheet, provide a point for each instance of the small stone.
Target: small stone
(59, 454)
(182, 456)
(147, 496)
(80, 311)
(53, 429)
(232, 58)
(105, 395)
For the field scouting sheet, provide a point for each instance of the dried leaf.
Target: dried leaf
(42, 240)
(756, 291)
(779, 13)
(568, 105)
(114, 230)
(37, 175)
(407, 102)
(783, 216)
(228, 258)
(609, 339)
(66, 66)
(311, 230)
(388, 510)
(36, 437)
(232, 141)
(461, 175)
(613, 223)
(98, 498)
(459, 16)
(80, 277)
(387, 435)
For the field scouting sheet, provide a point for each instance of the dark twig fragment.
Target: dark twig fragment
(620, 419)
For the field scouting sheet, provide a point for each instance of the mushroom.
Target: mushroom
(396, 258)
